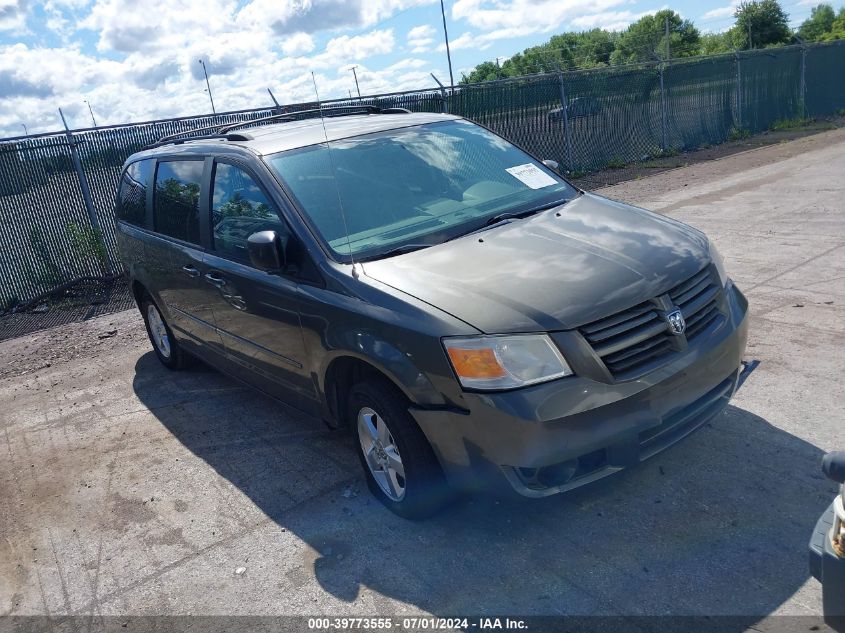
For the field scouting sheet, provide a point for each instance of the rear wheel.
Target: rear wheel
(401, 469)
(168, 350)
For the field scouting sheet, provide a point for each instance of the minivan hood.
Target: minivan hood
(550, 272)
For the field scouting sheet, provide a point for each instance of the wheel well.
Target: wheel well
(344, 372)
(138, 292)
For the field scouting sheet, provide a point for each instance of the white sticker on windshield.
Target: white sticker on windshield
(531, 175)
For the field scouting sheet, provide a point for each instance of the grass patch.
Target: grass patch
(738, 134)
(615, 163)
(797, 123)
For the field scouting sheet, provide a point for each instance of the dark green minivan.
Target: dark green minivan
(472, 318)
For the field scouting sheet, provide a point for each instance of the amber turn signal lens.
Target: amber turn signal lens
(475, 363)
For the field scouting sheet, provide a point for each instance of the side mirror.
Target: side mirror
(266, 250)
(552, 164)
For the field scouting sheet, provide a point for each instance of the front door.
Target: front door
(176, 255)
(256, 313)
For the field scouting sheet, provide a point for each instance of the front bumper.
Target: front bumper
(563, 434)
(828, 566)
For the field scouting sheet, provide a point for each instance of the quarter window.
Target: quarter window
(239, 208)
(176, 201)
(132, 198)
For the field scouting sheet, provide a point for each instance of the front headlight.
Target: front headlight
(719, 263)
(505, 362)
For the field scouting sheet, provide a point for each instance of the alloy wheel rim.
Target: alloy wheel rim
(381, 454)
(158, 331)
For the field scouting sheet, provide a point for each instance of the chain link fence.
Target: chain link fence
(57, 190)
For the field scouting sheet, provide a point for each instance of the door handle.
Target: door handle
(215, 279)
(190, 271)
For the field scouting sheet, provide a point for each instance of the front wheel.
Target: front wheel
(168, 350)
(401, 469)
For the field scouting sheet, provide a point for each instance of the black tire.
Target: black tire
(425, 490)
(177, 358)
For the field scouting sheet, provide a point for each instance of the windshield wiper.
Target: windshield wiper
(399, 250)
(501, 217)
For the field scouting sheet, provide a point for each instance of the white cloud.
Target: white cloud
(467, 40)
(421, 31)
(13, 14)
(158, 76)
(421, 38)
(608, 20)
(721, 12)
(127, 26)
(311, 16)
(297, 43)
(353, 48)
(500, 19)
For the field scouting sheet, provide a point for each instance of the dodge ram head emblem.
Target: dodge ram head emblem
(676, 322)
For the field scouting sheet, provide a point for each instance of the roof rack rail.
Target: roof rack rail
(336, 111)
(237, 124)
(178, 139)
(222, 131)
(175, 135)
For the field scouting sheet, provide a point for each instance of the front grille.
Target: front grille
(629, 339)
(636, 340)
(698, 300)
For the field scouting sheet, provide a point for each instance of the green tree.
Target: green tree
(593, 48)
(645, 39)
(715, 44)
(485, 71)
(568, 51)
(760, 23)
(818, 24)
(837, 29)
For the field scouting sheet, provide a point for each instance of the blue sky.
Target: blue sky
(135, 61)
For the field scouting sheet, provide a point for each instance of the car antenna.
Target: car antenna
(334, 177)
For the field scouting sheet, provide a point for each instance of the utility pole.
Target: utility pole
(750, 46)
(448, 53)
(93, 120)
(355, 74)
(208, 85)
(668, 40)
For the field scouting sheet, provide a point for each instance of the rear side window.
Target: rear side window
(176, 200)
(132, 196)
(239, 208)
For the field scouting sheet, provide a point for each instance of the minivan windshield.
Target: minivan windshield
(372, 195)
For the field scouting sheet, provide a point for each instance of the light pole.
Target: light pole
(208, 85)
(355, 74)
(24, 129)
(448, 54)
(93, 120)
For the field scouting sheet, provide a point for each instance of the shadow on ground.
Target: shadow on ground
(717, 525)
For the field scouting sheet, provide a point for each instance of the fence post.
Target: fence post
(802, 102)
(444, 105)
(565, 109)
(738, 91)
(86, 193)
(662, 111)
